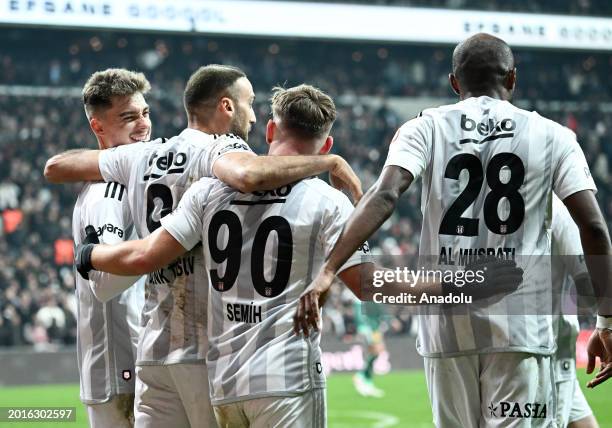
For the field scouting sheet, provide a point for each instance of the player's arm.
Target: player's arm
(574, 185)
(373, 210)
(139, 256)
(180, 231)
(73, 165)
(110, 214)
(248, 172)
(366, 280)
(595, 240)
(361, 280)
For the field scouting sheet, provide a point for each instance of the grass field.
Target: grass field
(405, 404)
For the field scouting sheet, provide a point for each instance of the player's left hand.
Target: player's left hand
(342, 177)
(600, 345)
(82, 255)
(307, 314)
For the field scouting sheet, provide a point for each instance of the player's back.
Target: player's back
(489, 181)
(157, 173)
(489, 170)
(261, 251)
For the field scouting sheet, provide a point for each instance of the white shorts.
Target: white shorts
(573, 405)
(117, 412)
(508, 389)
(307, 410)
(173, 396)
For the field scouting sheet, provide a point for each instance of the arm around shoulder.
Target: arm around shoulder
(73, 165)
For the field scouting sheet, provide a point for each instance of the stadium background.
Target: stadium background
(377, 84)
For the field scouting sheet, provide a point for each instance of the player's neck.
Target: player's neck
(496, 93)
(207, 128)
(101, 144)
(289, 148)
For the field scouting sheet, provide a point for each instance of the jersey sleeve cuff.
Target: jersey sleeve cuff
(102, 165)
(570, 191)
(173, 229)
(406, 163)
(354, 260)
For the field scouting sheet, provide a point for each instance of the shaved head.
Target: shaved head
(482, 62)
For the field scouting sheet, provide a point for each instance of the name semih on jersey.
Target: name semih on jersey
(243, 313)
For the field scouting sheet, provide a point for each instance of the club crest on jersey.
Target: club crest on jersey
(126, 375)
(488, 129)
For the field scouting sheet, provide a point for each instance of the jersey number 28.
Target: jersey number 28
(454, 224)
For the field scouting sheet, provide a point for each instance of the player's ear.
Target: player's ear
(270, 130)
(226, 105)
(327, 145)
(511, 80)
(454, 83)
(96, 126)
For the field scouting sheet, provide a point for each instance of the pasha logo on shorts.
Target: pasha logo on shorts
(511, 409)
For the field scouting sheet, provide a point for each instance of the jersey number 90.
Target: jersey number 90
(232, 253)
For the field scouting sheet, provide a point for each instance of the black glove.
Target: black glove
(499, 278)
(82, 256)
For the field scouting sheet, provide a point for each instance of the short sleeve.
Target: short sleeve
(333, 224)
(185, 222)
(410, 147)
(221, 146)
(116, 163)
(571, 172)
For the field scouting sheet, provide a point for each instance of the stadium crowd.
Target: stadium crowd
(341, 68)
(37, 304)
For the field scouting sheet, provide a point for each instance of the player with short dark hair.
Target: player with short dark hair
(260, 252)
(107, 329)
(171, 373)
(489, 171)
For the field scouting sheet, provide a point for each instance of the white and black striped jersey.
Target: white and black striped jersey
(568, 264)
(488, 171)
(156, 174)
(261, 251)
(107, 332)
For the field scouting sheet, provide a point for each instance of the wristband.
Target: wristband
(83, 259)
(604, 323)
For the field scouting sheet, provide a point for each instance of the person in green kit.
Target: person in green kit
(368, 318)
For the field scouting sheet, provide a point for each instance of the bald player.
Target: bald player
(489, 173)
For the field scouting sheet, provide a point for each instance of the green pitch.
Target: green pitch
(405, 404)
